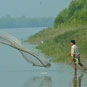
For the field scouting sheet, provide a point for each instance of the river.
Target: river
(15, 71)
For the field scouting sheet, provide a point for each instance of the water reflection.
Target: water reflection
(41, 81)
(77, 80)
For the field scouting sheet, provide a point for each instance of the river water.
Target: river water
(16, 72)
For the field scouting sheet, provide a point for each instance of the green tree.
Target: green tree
(74, 14)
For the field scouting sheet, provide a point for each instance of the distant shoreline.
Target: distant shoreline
(25, 22)
(21, 27)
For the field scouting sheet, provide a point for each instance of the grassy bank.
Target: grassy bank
(56, 41)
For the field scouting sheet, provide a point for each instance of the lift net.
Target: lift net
(11, 41)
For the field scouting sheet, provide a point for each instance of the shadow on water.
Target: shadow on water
(76, 82)
(41, 81)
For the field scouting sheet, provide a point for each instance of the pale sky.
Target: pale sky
(32, 8)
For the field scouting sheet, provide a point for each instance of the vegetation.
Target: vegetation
(20, 22)
(69, 24)
(76, 13)
(57, 43)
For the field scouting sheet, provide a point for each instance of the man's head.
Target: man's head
(72, 42)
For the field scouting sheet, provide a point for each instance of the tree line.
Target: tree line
(21, 22)
(76, 13)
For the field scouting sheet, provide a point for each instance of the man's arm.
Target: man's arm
(69, 54)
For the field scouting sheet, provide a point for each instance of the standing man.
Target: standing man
(75, 54)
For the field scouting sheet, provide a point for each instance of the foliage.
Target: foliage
(57, 43)
(76, 13)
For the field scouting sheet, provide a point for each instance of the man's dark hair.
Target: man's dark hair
(73, 41)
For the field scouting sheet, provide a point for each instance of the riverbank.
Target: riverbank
(55, 42)
(69, 24)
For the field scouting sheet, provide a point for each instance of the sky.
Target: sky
(32, 8)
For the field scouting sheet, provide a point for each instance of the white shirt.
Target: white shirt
(74, 50)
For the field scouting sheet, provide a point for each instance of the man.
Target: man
(75, 54)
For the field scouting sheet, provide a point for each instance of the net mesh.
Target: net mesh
(11, 41)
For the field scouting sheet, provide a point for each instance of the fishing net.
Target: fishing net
(11, 41)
